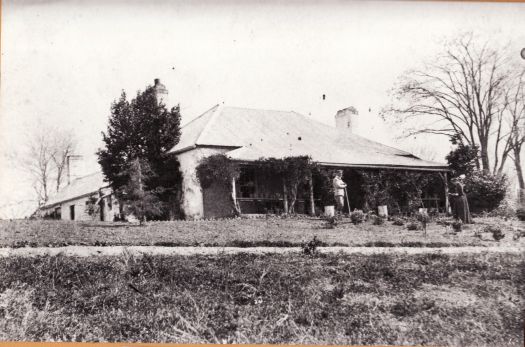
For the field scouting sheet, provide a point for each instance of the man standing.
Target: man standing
(339, 190)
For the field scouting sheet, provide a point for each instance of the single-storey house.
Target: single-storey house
(246, 135)
(84, 198)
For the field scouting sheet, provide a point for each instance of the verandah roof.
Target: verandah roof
(253, 134)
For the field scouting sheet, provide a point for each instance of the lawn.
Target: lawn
(249, 232)
(433, 299)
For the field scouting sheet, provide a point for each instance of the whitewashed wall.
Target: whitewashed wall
(192, 202)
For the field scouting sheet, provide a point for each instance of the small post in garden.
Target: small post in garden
(311, 194)
(285, 198)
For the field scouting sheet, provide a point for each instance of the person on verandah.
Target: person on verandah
(460, 208)
(339, 190)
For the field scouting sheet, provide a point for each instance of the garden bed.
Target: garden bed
(267, 232)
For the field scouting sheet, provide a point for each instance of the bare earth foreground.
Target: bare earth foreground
(107, 282)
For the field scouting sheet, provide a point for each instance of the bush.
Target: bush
(413, 226)
(495, 230)
(357, 216)
(485, 191)
(310, 247)
(331, 222)
(423, 217)
(378, 220)
(398, 221)
(520, 213)
(497, 234)
(444, 221)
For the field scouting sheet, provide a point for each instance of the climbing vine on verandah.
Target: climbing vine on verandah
(294, 171)
(221, 170)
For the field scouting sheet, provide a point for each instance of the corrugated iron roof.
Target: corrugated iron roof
(253, 134)
(77, 188)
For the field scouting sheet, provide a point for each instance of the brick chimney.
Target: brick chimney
(346, 119)
(73, 167)
(161, 92)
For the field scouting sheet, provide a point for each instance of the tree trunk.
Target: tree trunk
(485, 157)
(519, 173)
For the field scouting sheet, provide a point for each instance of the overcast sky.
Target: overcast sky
(65, 62)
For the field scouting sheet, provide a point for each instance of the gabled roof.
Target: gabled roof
(253, 134)
(79, 187)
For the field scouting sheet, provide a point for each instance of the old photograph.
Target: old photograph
(263, 172)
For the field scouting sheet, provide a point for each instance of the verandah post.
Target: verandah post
(447, 202)
(311, 193)
(285, 197)
(234, 198)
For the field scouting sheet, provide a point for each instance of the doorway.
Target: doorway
(72, 212)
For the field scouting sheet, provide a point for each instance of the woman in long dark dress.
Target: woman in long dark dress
(460, 207)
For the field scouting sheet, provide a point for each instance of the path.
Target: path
(87, 251)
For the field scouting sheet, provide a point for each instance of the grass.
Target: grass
(274, 232)
(432, 299)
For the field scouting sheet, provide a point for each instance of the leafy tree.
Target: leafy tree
(462, 160)
(485, 191)
(139, 200)
(143, 129)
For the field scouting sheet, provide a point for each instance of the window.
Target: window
(72, 212)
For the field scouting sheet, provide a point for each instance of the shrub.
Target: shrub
(520, 213)
(423, 217)
(495, 230)
(485, 191)
(378, 220)
(491, 228)
(413, 226)
(497, 234)
(444, 221)
(310, 247)
(398, 221)
(331, 222)
(357, 216)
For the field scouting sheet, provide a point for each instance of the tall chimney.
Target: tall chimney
(346, 119)
(73, 163)
(161, 93)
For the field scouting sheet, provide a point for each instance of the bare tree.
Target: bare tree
(516, 120)
(64, 146)
(45, 159)
(462, 94)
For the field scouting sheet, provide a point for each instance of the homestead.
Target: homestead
(247, 135)
(84, 198)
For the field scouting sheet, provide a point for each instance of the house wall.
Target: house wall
(82, 215)
(192, 195)
(80, 209)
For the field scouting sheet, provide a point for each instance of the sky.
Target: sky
(64, 62)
